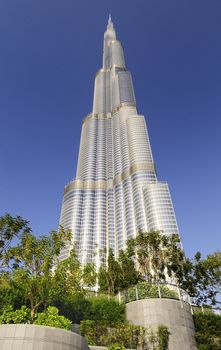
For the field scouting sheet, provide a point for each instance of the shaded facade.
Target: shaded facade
(116, 190)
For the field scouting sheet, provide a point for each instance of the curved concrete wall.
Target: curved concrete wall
(33, 337)
(171, 313)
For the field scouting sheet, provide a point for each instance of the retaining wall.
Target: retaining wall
(174, 314)
(33, 337)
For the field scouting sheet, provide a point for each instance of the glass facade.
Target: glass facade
(116, 190)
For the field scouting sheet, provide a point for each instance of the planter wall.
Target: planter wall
(174, 314)
(33, 337)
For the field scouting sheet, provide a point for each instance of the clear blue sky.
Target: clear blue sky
(50, 51)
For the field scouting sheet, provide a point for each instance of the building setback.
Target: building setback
(116, 190)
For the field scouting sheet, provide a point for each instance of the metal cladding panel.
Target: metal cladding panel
(100, 93)
(86, 166)
(159, 208)
(117, 54)
(126, 87)
(115, 92)
(138, 140)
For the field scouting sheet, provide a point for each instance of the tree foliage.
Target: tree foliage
(159, 256)
(207, 274)
(109, 274)
(208, 331)
(10, 228)
(89, 275)
(117, 274)
(29, 266)
(201, 278)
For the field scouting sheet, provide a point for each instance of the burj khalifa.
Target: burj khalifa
(116, 191)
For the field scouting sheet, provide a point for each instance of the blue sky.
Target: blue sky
(50, 51)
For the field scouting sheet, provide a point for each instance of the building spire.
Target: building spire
(110, 24)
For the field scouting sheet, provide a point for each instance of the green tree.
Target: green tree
(10, 228)
(30, 265)
(109, 274)
(10, 293)
(129, 275)
(67, 278)
(89, 275)
(205, 278)
(158, 255)
(118, 274)
(208, 331)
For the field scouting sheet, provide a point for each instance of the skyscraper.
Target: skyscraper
(116, 190)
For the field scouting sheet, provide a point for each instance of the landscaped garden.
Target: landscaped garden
(37, 287)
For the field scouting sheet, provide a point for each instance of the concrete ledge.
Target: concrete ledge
(174, 314)
(33, 337)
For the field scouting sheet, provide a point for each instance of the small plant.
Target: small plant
(51, 318)
(88, 330)
(22, 315)
(163, 337)
(116, 346)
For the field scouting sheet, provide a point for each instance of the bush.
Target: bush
(163, 337)
(22, 315)
(125, 334)
(108, 312)
(88, 330)
(51, 318)
(101, 335)
(208, 331)
(116, 347)
(76, 308)
(99, 309)
(168, 293)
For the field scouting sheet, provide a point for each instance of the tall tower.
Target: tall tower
(116, 190)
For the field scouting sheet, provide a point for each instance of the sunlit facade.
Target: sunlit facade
(116, 190)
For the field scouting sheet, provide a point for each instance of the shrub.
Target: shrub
(208, 331)
(146, 290)
(88, 330)
(168, 293)
(108, 312)
(101, 335)
(163, 337)
(51, 318)
(116, 347)
(76, 308)
(22, 315)
(125, 334)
